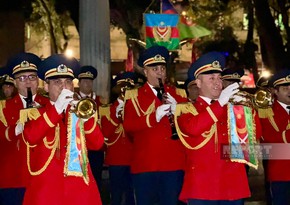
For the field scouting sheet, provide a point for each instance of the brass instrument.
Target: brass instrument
(262, 98)
(170, 116)
(85, 108)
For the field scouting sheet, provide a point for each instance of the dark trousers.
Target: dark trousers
(121, 185)
(215, 202)
(11, 196)
(160, 188)
(96, 159)
(280, 193)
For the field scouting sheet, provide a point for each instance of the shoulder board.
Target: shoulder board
(28, 114)
(133, 93)
(183, 108)
(265, 112)
(181, 92)
(104, 110)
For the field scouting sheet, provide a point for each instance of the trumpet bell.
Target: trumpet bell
(85, 108)
(263, 98)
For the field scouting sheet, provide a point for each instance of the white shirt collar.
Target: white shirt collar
(206, 99)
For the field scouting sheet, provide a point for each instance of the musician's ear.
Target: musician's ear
(198, 82)
(45, 86)
(145, 72)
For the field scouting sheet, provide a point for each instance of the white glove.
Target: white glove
(119, 107)
(227, 93)
(19, 128)
(170, 99)
(161, 111)
(238, 98)
(65, 97)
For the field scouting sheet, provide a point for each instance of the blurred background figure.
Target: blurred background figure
(275, 124)
(231, 75)
(119, 151)
(8, 89)
(191, 89)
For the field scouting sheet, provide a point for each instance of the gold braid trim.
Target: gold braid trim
(47, 120)
(2, 117)
(7, 135)
(148, 120)
(133, 94)
(94, 126)
(120, 132)
(210, 112)
(268, 113)
(284, 133)
(181, 92)
(54, 146)
(189, 108)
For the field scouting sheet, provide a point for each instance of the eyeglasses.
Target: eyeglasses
(23, 78)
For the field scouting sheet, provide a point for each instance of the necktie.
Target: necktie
(29, 102)
(288, 107)
(159, 94)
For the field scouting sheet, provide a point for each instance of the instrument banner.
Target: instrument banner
(76, 161)
(242, 135)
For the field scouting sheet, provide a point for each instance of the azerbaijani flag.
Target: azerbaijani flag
(167, 7)
(189, 29)
(162, 29)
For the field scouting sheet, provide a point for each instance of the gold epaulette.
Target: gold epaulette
(265, 112)
(268, 113)
(2, 117)
(104, 110)
(181, 92)
(129, 94)
(30, 113)
(183, 108)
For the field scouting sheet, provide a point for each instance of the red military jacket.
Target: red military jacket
(275, 124)
(153, 148)
(119, 146)
(208, 175)
(13, 172)
(49, 145)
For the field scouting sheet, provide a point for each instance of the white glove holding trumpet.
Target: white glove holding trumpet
(63, 100)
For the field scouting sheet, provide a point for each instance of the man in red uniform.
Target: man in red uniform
(119, 146)
(275, 124)
(58, 140)
(86, 78)
(212, 175)
(158, 160)
(13, 172)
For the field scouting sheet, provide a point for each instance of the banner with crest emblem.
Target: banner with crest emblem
(161, 29)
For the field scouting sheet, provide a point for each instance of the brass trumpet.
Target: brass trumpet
(262, 98)
(85, 108)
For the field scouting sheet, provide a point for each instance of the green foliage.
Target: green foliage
(45, 20)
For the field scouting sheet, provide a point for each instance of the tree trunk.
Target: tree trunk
(270, 36)
(250, 47)
(95, 42)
